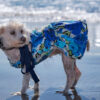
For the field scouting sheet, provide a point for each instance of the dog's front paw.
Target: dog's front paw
(36, 89)
(16, 93)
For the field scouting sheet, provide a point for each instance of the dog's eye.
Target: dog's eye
(12, 33)
(22, 31)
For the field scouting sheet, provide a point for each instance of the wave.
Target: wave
(46, 11)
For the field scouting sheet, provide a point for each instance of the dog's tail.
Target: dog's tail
(88, 45)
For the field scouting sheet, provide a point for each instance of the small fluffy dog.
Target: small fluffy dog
(68, 38)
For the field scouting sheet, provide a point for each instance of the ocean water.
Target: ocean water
(35, 14)
(38, 13)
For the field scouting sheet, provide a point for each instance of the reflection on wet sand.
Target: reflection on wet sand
(74, 96)
(26, 97)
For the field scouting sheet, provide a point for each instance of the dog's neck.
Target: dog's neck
(13, 55)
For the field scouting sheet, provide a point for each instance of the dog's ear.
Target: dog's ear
(2, 29)
(1, 44)
(1, 32)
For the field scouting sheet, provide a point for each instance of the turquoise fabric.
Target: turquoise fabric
(69, 36)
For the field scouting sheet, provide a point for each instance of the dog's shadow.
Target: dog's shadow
(50, 94)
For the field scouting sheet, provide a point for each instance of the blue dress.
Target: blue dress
(68, 36)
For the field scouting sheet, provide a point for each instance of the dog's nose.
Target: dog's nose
(23, 39)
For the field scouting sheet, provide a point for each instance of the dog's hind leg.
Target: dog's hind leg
(25, 83)
(68, 64)
(77, 76)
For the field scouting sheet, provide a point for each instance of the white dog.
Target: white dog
(15, 35)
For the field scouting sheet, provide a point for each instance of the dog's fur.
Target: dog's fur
(11, 37)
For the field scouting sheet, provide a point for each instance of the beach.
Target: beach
(35, 15)
(52, 79)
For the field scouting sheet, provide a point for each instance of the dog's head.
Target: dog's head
(13, 35)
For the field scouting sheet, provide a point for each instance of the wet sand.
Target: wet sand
(52, 79)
